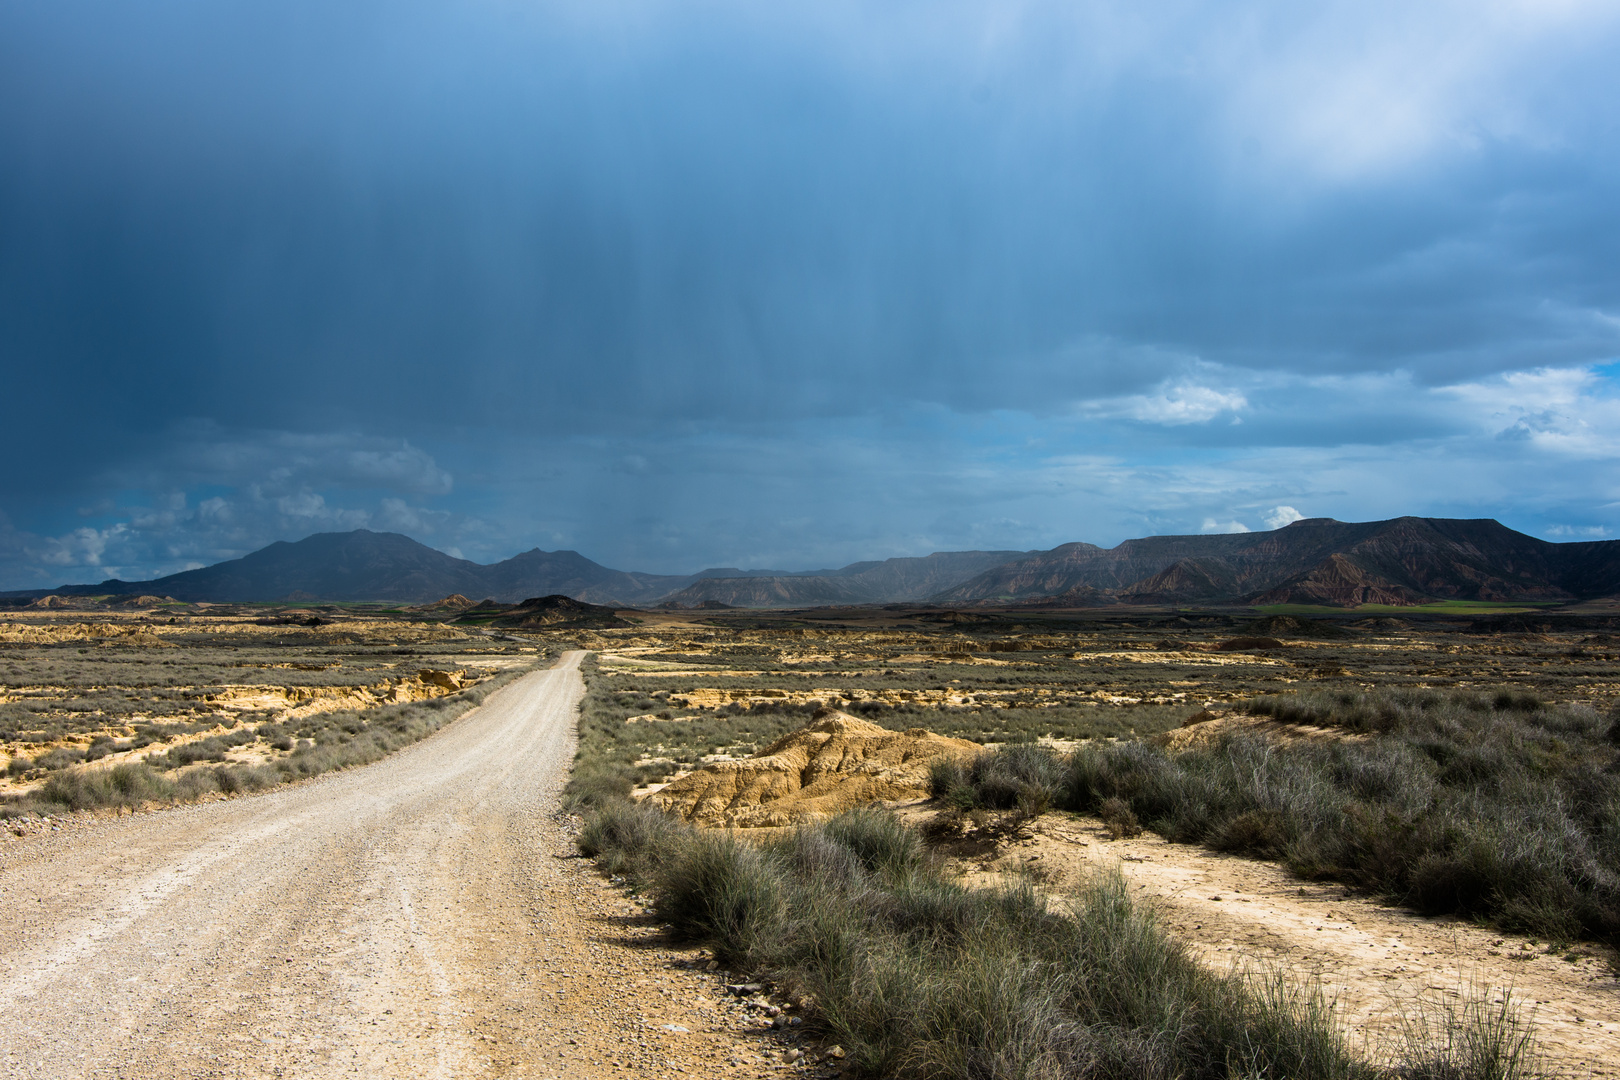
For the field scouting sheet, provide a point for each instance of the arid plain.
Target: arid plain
(217, 702)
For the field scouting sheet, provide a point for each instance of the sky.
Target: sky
(711, 283)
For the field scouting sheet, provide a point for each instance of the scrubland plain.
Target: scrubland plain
(1174, 843)
(1462, 770)
(110, 708)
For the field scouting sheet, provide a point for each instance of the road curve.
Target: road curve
(395, 920)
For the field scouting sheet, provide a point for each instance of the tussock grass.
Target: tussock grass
(1496, 806)
(1473, 1039)
(630, 839)
(1025, 777)
(919, 977)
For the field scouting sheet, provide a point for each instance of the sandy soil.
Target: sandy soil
(420, 917)
(1379, 962)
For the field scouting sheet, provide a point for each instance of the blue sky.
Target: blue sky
(690, 284)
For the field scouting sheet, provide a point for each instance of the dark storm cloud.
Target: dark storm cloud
(705, 237)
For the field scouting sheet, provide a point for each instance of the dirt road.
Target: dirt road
(414, 918)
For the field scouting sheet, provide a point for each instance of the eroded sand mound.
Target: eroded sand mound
(106, 633)
(453, 602)
(1205, 728)
(835, 763)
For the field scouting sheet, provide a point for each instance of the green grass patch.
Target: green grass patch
(1439, 607)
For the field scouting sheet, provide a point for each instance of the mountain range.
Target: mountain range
(1407, 560)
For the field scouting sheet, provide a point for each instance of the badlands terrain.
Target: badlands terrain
(423, 914)
(250, 691)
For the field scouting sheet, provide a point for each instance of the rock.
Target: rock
(836, 1052)
(444, 680)
(831, 765)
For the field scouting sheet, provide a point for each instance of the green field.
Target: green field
(1439, 607)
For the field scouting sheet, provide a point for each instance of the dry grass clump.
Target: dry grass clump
(1475, 1038)
(1495, 806)
(918, 976)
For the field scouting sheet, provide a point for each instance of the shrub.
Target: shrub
(878, 839)
(597, 784)
(628, 838)
(59, 758)
(1120, 818)
(916, 975)
(718, 889)
(948, 779)
(122, 785)
(387, 728)
(1501, 806)
(1026, 777)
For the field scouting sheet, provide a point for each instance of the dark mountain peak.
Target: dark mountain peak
(560, 555)
(1338, 581)
(555, 612)
(1183, 581)
(1403, 560)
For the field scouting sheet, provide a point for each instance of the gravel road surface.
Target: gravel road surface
(418, 917)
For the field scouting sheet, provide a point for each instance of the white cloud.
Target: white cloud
(276, 486)
(1172, 404)
(1565, 411)
(402, 468)
(289, 463)
(81, 547)
(399, 516)
(1212, 526)
(1361, 89)
(305, 504)
(1279, 516)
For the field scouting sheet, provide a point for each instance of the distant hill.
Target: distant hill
(365, 565)
(545, 613)
(568, 573)
(888, 582)
(767, 592)
(1406, 560)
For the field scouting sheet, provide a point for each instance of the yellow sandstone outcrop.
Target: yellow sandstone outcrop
(835, 763)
